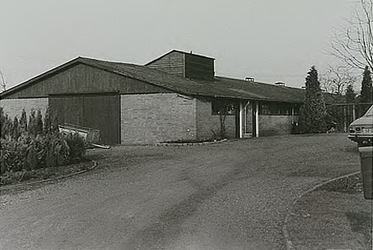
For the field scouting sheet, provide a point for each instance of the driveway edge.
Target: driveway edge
(52, 179)
(285, 232)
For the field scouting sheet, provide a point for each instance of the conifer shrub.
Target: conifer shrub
(312, 114)
(34, 143)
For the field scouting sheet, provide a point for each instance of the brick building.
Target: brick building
(174, 97)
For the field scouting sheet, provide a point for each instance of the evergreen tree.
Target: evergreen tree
(32, 123)
(350, 95)
(23, 121)
(366, 87)
(312, 117)
(16, 131)
(350, 98)
(47, 122)
(39, 122)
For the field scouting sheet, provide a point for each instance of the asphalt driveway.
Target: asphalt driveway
(232, 195)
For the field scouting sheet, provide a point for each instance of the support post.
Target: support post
(241, 120)
(257, 119)
(292, 115)
(344, 119)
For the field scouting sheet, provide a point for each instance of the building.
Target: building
(172, 98)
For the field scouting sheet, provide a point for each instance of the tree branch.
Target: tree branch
(354, 45)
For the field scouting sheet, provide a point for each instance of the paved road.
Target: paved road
(232, 195)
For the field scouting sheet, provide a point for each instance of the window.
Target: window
(219, 106)
(277, 108)
(264, 109)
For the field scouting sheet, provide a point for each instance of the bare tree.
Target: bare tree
(354, 43)
(3, 81)
(336, 79)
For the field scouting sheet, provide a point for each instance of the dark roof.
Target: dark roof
(177, 51)
(257, 90)
(220, 87)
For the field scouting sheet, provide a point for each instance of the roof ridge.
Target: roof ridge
(107, 61)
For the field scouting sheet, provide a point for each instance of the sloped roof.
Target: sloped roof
(222, 87)
(258, 90)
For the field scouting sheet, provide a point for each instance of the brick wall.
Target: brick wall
(14, 107)
(275, 124)
(152, 118)
(206, 122)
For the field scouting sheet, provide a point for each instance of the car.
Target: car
(361, 130)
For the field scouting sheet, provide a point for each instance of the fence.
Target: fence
(344, 114)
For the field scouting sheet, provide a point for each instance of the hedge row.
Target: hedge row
(33, 143)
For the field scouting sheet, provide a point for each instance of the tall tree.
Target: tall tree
(366, 87)
(354, 43)
(365, 99)
(312, 117)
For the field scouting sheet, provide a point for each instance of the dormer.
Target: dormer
(183, 64)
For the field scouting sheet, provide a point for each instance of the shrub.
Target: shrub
(57, 150)
(6, 124)
(13, 154)
(29, 146)
(77, 146)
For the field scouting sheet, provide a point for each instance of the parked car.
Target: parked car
(361, 130)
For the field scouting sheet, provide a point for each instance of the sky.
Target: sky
(269, 40)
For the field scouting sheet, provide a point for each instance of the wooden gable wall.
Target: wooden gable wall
(172, 63)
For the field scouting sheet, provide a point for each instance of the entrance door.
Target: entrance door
(247, 120)
(97, 111)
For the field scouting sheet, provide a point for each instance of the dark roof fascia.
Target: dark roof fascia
(39, 77)
(178, 51)
(237, 98)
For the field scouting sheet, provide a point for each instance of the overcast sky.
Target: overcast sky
(270, 40)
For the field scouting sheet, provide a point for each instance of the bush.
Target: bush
(13, 155)
(77, 146)
(28, 146)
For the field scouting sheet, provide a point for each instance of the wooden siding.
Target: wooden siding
(199, 67)
(94, 111)
(172, 63)
(85, 79)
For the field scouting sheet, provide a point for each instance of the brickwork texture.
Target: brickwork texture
(154, 118)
